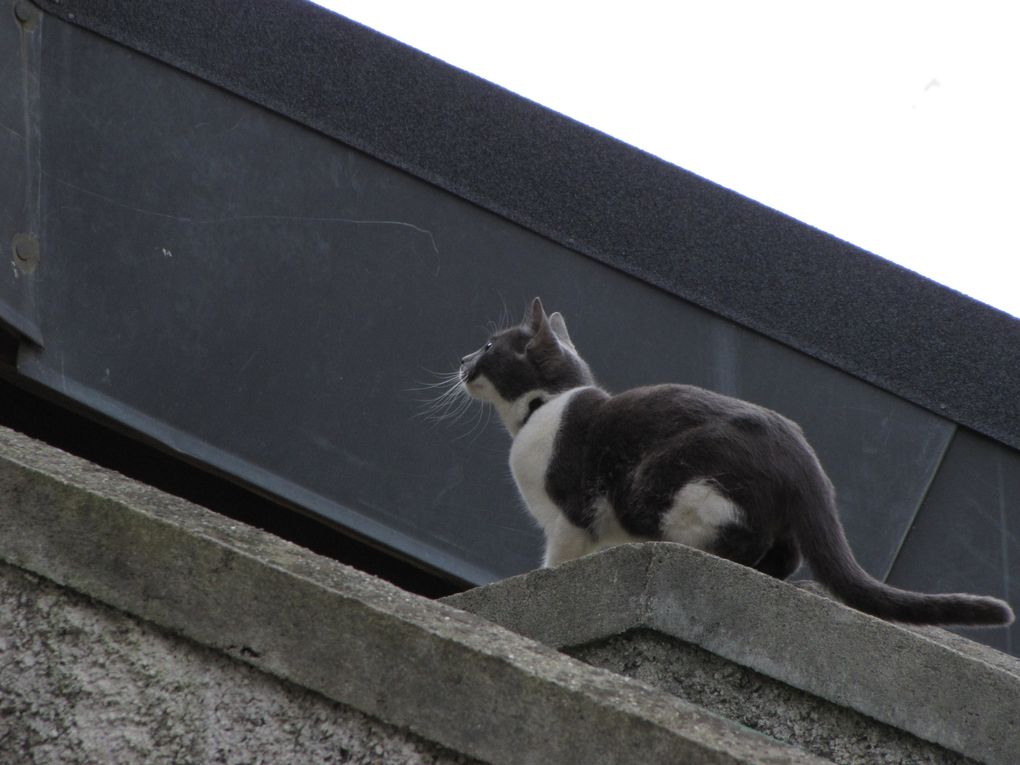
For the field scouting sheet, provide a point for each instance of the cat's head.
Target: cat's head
(521, 367)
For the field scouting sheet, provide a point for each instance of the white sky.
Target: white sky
(893, 125)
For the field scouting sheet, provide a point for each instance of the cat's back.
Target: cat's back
(659, 411)
(671, 404)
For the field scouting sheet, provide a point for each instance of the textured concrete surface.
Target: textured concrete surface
(965, 700)
(82, 683)
(446, 675)
(759, 702)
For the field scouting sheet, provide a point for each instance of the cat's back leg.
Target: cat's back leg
(781, 559)
(564, 541)
(694, 491)
(778, 558)
(740, 544)
(672, 497)
(700, 515)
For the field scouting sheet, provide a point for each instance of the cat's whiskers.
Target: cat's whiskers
(450, 402)
(504, 316)
(444, 383)
(480, 423)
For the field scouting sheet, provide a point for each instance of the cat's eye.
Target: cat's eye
(487, 346)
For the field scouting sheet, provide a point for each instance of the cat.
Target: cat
(676, 463)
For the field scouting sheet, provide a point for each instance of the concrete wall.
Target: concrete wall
(782, 659)
(142, 625)
(135, 627)
(758, 701)
(82, 683)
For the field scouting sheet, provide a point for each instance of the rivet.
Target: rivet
(27, 15)
(26, 252)
(25, 12)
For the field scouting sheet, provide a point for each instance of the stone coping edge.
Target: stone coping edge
(444, 674)
(937, 686)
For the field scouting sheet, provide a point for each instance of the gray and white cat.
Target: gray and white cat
(676, 463)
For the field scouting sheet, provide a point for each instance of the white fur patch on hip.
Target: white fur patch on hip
(697, 513)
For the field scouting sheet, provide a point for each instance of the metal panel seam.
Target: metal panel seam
(921, 501)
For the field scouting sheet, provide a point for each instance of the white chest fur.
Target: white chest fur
(531, 453)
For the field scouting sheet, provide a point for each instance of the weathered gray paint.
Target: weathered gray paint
(20, 209)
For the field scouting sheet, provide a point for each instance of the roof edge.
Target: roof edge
(589, 192)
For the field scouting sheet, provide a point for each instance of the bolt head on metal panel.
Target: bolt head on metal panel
(26, 252)
(26, 13)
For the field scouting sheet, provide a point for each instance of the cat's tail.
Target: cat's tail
(822, 542)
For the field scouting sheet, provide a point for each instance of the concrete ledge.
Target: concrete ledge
(964, 700)
(762, 703)
(82, 683)
(448, 676)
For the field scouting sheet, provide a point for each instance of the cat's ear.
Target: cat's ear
(543, 348)
(535, 316)
(559, 328)
(549, 333)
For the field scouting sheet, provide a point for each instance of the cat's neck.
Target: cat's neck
(515, 415)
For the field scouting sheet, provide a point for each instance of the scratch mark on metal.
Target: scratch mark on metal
(246, 364)
(12, 131)
(248, 218)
